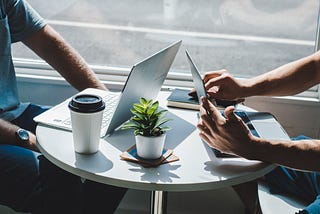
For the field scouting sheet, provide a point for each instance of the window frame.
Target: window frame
(115, 77)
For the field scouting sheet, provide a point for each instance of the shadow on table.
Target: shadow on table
(95, 163)
(165, 173)
(181, 129)
(230, 165)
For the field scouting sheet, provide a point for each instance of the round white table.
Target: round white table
(197, 169)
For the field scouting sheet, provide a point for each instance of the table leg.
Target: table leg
(159, 202)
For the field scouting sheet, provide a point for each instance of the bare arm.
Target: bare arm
(288, 79)
(51, 47)
(301, 154)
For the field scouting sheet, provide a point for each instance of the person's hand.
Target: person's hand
(32, 143)
(227, 134)
(206, 78)
(192, 93)
(221, 85)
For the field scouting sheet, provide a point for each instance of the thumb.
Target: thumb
(230, 115)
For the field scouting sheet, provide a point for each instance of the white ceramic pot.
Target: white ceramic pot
(150, 147)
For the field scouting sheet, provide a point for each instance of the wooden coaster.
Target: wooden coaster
(132, 155)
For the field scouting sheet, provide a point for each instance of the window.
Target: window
(247, 37)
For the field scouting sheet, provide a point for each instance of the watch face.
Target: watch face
(23, 134)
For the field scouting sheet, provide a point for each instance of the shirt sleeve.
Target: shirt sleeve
(23, 20)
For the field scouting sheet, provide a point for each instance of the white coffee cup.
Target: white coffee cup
(86, 112)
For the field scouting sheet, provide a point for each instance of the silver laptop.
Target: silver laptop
(145, 80)
(261, 124)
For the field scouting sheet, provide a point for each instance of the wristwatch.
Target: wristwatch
(22, 136)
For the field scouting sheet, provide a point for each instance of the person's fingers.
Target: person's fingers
(200, 126)
(206, 122)
(204, 138)
(213, 84)
(213, 74)
(193, 93)
(208, 140)
(204, 129)
(212, 111)
(213, 87)
(203, 111)
(230, 115)
(205, 108)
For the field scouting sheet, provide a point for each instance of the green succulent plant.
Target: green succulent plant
(147, 120)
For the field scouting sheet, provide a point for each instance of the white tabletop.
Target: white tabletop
(197, 169)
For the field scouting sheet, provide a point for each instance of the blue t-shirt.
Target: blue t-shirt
(18, 21)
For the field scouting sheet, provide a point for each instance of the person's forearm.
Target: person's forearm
(301, 154)
(286, 80)
(8, 136)
(51, 47)
(7, 133)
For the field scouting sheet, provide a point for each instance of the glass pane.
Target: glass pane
(246, 37)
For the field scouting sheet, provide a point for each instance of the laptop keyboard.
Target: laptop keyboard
(111, 101)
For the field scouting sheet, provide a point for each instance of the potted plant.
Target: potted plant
(147, 122)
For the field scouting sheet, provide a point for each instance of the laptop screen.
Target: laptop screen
(197, 79)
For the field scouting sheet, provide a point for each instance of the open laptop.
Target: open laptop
(145, 80)
(261, 124)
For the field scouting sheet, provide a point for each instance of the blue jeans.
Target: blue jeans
(302, 185)
(31, 183)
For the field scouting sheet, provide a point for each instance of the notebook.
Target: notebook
(145, 80)
(260, 124)
(179, 98)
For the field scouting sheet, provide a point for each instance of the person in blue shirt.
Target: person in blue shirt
(28, 181)
(298, 159)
